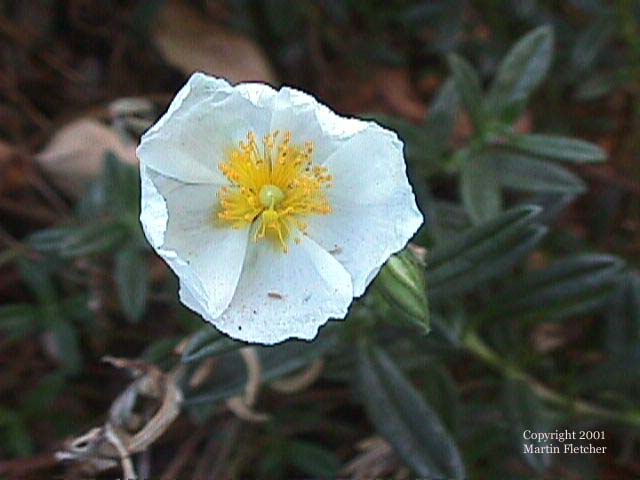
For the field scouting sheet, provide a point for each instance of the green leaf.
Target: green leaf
(572, 286)
(413, 136)
(67, 346)
(131, 275)
(441, 392)
(15, 437)
(479, 188)
(403, 417)
(121, 185)
(39, 398)
(558, 148)
(37, 276)
(77, 241)
(482, 252)
(623, 316)
(525, 412)
(442, 116)
(18, 320)
(520, 172)
(591, 42)
(599, 85)
(520, 72)
(50, 240)
(312, 459)
(276, 361)
(469, 88)
(208, 342)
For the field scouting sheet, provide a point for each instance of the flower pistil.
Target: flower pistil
(276, 186)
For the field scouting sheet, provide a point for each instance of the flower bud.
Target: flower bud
(403, 285)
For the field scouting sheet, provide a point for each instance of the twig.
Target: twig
(299, 381)
(31, 212)
(26, 466)
(184, 454)
(478, 347)
(125, 460)
(227, 447)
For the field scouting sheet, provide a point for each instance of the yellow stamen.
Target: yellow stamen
(275, 186)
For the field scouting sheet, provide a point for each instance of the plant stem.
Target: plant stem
(480, 349)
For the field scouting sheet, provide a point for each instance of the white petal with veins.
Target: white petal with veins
(374, 209)
(286, 295)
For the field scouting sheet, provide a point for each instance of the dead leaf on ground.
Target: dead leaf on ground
(75, 155)
(192, 43)
(399, 94)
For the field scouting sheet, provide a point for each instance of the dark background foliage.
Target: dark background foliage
(521, 121)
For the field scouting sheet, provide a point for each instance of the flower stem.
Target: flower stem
(480, 349)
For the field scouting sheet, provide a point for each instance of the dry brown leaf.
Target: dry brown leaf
(75, 155)
(192, 43)
(397, 91)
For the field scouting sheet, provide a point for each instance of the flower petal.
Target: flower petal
(206, 119)
(178, 220)
(374, 210)
(281, 296)
(309, 120)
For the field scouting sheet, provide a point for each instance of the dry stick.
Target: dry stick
(202, 466)
(26, 466)
(38, 182)
(299, 381)
(242, 406)
(34, 213)
(22, 38)
(184, 455)
(227, 447)
(125, 460)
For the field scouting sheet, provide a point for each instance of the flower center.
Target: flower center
(270, 196)
(276, 186)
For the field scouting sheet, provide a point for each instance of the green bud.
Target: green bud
(403, 285)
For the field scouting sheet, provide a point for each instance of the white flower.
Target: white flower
(273, 211)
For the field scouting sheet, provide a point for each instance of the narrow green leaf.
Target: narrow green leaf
(482, 252)
(15, 437)
(442, 115)
(618, 376)
(37, 276)
(525, 412)
(457, 279)
(76, 241)
(482, 236)
(441, 392)
(417, 144)
(403, 417)
(131, 276)
(121, 186)
(520, 172)
(558, 148)
(520, 72)
(18, 320)
(591, 42)
(276, 361)
(623, 316)
(572, 286)
(599, 84)
(479, 188)
(67, 346)
(50, 239)
(208, 342)
(312, 459)
(469, 88)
